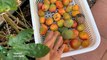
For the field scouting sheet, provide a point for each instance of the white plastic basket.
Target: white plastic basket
(91, 27)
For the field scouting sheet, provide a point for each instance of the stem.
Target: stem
(22, 15)
(20, 22)
(2, 36)
(9, 21)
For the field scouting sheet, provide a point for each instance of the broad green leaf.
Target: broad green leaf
(15, 55)
(33, 50)
(6, 5)
(21, 38)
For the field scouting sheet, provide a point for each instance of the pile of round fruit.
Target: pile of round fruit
(64, 20)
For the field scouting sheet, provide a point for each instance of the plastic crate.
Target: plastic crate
(91, 27)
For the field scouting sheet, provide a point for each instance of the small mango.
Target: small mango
(52, 8)
(61, 11)
(43, 29)
(60, 23)
(66, 16)
(41, 13)
(45, 7)
(68, 23)
(69, 8)
(53, 27)
(80, 27)
(59, 4)
(49, 21)
(67, 34)
(75, 13)
(75, 7)
(42, 20)
(65, 2)
(56, 16)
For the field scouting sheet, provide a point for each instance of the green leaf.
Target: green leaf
(15, 55)
(6, 5)
(21, 38)
(33, 50)
(3, 53)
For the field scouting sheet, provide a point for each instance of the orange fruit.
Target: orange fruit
(84, 35)
(59, 4)
(43, 29)
(85, 43)
(75, 44)
(75, 13)
(66, 49)
(42, 20)
(76, 32)
(56, 16)
(41, 13)
(75, 8)
(49, 21)
(54, 27)
(61, 11)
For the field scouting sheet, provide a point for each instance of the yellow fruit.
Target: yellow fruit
(85, 43)
(57, 16)
(60, 23)
(75, 8)
(74, 13)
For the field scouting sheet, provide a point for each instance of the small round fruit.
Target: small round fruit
(42, 20)
(75, 44)
(45, 7)
(74, 24)
(43, 29)
(80, 27)
(61, 11)
(66, 16)
(49, 21)
(75, 13)
(85, 43)
(65, 2)
(41, 13)
(68, 23)
(56, 16)
(40, 5)
(60, 23)
(84, 35)
(59, 4)
(67, 48)
(69, 8)
(76, 32)
(46, 2)
(67, 34)
(52, 8)
(75, 8)
(53, 27)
